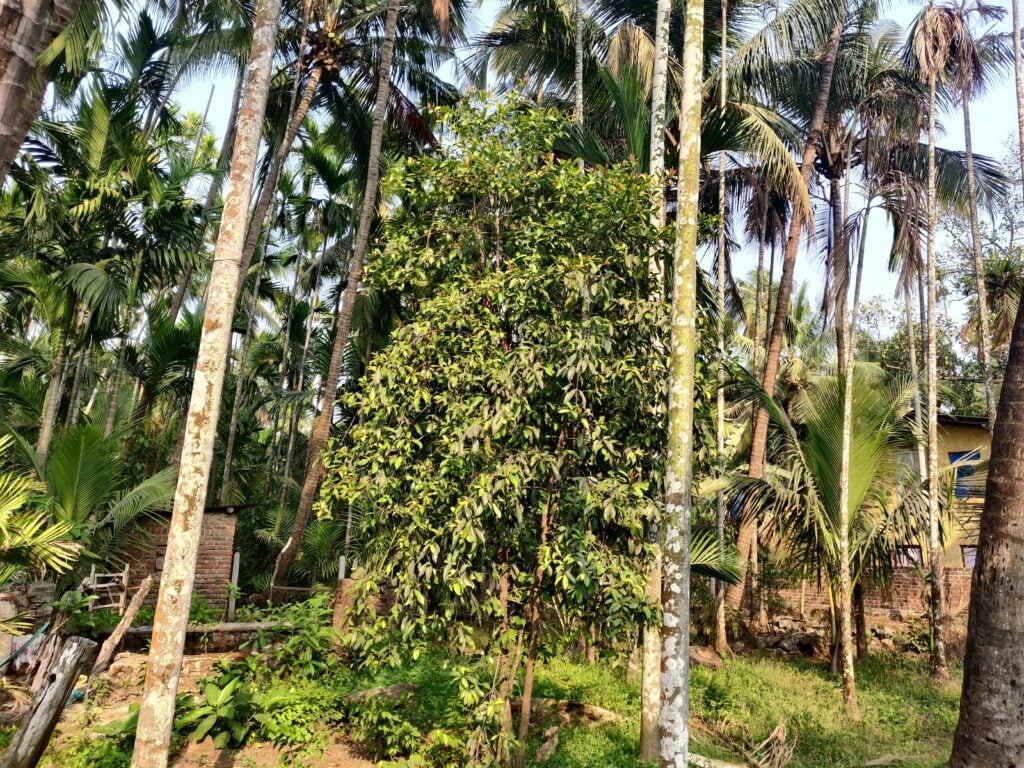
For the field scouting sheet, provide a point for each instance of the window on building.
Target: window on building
(968, 553)
(965, 487)
(909, 556)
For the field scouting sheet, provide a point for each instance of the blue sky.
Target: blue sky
(993, 124)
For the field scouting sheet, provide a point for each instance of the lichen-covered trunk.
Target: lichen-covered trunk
(675, 661)
(938, 652)
(990, 731)
(27, 27)
(577, 23)
(322, 425)
(984, 338)
(650, 675)
(54, 388)
(163, 671)
(759, 441)
(721, 641)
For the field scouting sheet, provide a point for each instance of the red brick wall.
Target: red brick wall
(905, 592)
(213, 568)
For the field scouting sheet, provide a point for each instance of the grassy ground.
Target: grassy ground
(903, 714)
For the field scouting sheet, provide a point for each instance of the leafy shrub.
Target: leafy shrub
(224, 714)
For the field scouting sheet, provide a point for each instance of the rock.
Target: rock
(767, 641)
(887, 645)
(805, 643)
(547, 748)
(127, 669)
(705, 656)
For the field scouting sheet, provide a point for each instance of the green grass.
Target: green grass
(903, 714)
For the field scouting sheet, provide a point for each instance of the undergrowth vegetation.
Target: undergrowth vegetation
(298, 691)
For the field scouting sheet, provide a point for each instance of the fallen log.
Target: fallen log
(390, 692)
(224, 627)
(569, 711)
(106, 654)
(32, 738)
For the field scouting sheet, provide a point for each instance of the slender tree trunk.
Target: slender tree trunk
(675, 661)
(533, 633)
(650, 675)
(259, 213)
(1018, 80)
(577, 23)
(915, 374)
(984, 337)
(115, 379)
(236, 403)
(721, 641)
(759, 440)
(322, 426)
(52, 403)
(156, 715)
(989, 732)
(75, 407)
(938, 651)
(848, 325)
(861, 620)
(27, 27)
(223, 162)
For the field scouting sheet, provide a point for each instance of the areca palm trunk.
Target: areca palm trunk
(236, 403)
(578, 79)
(223, 162)
(849, 329)
(28, 27)
(915, 373)
(721, 642)
(156, 716)
(984, 337)
(322, 426)
(650, 682)
(938, 651)
(992, 701)
(51, 404)
(1018, 79)
(259, 212)
(759, 442)
(122, 348)
(675, 662)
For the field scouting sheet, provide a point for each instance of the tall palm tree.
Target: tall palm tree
(826, 67)
(973, 74)
(34, 26)
(675, 679)
(988, 731)
(322, 426)
(938, 40)
(156, 716)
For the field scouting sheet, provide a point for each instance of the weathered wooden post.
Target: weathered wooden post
(233, 588)
(106, 654)
(33, 736)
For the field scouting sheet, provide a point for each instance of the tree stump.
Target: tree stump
(33, 736)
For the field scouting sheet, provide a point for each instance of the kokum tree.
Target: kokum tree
(507, 451)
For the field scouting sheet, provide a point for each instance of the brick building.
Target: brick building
(964, 445)
(213, 567)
